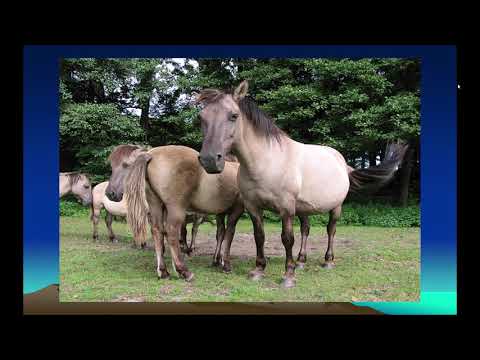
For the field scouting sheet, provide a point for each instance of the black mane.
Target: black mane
(260, 121)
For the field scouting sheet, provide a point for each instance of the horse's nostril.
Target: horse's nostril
(219, 156)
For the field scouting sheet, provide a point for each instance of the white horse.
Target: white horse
(76, 183)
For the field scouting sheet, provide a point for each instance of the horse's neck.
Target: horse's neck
(256, 153)
(65, 187)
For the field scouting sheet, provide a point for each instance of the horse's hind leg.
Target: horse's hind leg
(195, 226)
(217, 256)
(288, 240)
(183, 238)
(175, 219)
(331, 230)
(95, 219)
(156, 219)
(108, 222)
(305, 231)
(229, 234)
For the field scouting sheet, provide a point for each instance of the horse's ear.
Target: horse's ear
(241, 91)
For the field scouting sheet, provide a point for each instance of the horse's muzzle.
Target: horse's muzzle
(212, 164)
(114, 196)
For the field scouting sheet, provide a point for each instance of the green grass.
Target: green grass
(376, 264)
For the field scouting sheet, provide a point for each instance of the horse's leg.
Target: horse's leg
(256, 215)
(304, 230)
(217, 256)
(195, 226)
(157, 229)
(331, 230)
(95, 219)
(175, 219)
(183, 238)
(288, 240)
(230, 232)
(108, 222)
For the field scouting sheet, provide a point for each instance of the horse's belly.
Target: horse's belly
(209, 199)
(115, 208)
(324, 187)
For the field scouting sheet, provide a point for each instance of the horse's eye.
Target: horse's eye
(125, 165)
(86, 186)
(233, 117)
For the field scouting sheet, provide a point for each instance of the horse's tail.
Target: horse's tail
(375, 177)
(135, 196)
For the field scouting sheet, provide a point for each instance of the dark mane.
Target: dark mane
(120, 152)
(261, 122)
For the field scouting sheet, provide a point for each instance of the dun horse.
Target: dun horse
(278, 173)
(114, 208)
(78, 184)
(162, 185)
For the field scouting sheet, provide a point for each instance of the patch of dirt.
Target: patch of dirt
(243, 245)
(165, 289)
(126, 298)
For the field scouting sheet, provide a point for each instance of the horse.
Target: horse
(112, 208)
(162, 185)
(76, 183)
(278, 173)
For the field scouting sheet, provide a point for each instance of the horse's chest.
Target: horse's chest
(260, 193)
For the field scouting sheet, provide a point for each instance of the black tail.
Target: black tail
(374, 177)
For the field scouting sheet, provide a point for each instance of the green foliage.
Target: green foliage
(372, 214)
(92, 130)
(353, 105)
(71, 207)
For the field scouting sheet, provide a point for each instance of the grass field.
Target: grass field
(372, 264)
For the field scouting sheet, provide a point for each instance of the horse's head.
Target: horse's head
(81, 188)
(121, 158)
(219, 120)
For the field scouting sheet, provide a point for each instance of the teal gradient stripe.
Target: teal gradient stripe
(431, 303)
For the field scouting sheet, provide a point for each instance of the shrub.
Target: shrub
(371, 214)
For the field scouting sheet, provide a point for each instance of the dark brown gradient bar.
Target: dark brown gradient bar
(46, 302)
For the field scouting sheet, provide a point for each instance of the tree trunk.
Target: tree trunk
(145, 119)
(372, 158)
(405, 174)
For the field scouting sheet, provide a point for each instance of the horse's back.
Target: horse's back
(325, 180)
(115, 208)
(173, 172)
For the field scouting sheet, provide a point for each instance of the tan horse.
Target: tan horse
(278, 173)
(78, 184)
(163, 184)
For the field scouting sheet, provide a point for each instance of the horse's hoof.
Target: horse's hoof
(188, 276)
(226, 269)
(216, 263)
(164, 276)
(300, 265)
(328, 265)
(288, 282)
(114, 240)
(256, 275)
